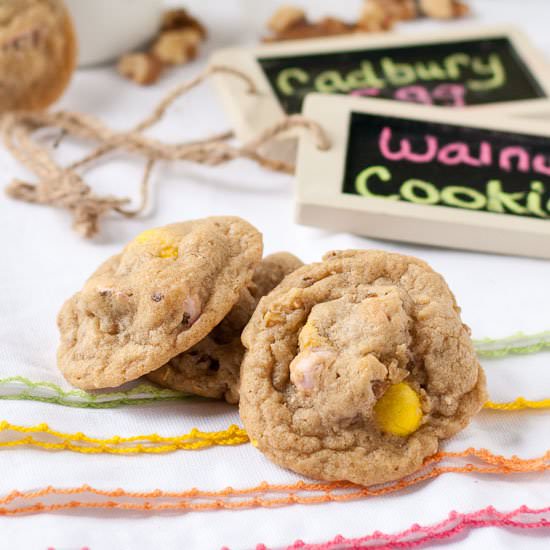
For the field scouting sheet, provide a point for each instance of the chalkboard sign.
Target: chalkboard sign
(458, 69)
(448, 165)
(454, 74)
(428, 175)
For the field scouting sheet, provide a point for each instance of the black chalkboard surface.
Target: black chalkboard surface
(433, 163)
(457, 73)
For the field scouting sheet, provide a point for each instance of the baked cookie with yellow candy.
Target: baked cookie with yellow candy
(357, 368)
(37, 53)
(160, 296)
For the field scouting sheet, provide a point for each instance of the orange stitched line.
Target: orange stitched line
(221, 498)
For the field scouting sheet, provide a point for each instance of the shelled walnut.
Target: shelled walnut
(291, 23)
(177, 43)
(142, 68)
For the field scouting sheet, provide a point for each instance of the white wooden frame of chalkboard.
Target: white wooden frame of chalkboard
(320, 174)
(249, 114)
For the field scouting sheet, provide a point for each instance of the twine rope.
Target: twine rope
(64, 187)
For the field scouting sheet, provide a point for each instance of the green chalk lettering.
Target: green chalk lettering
(411, 188)
(365, 77)
(500, 201)
(534, 199)
(451, 196)
(361, 182)
(329, 82)
(431, 70)
(399, 74)
(494, 69)
(286, 75)
(453, 63)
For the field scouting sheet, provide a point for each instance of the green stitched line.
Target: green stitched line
(48, 392)
(93, 405)
(145, 394)
(518, 344)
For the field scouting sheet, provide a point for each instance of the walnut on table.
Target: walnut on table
(291, 23)
(179, 19)
(177, 47)
(142, 68)
(177, 43)
(444, 9)
(405, 10)
(285, 18)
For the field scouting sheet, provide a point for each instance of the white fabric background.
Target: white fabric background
(43, 262)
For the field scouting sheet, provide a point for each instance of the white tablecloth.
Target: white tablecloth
(42, 262)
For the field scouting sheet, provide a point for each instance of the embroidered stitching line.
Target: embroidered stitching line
(49, 392)
(151, 443)
(520, 403)
(236, 499)
(154, 443)
(417, 535)
(518, 344)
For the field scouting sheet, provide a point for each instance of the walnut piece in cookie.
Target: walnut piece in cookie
(357, 368)
(37, 53)
(211, 367)
(164, 293)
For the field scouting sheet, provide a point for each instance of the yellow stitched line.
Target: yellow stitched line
(152, 443)
(518, 404)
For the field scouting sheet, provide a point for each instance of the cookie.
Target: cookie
(164, 293)
(211, 367)
(37, 53)
(357, 368)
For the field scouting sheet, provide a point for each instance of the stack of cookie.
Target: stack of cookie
(171, 306)
(355, 368)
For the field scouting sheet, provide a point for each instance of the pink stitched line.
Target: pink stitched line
(417, 535)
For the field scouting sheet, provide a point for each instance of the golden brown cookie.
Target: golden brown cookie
(37, 53)
(211, 367)
(164, 293)
(357, 368)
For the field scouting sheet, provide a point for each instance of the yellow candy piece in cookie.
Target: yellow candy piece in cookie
(166, 244)
(399, 411)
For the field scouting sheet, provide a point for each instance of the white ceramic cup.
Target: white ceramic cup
(107, 29)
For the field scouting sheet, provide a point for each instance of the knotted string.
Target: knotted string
(64, 187)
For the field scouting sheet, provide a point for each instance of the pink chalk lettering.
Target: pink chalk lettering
(485, 153)
(454, 93)
(405, 152)
(456, 153)
(361, 92)
(522, 155)
(415, 94)
(539, 165)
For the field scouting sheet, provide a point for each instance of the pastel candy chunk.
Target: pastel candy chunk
(399, 411)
